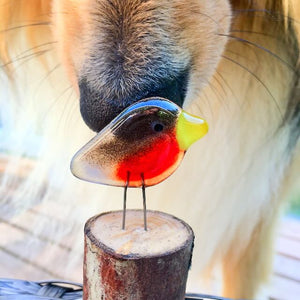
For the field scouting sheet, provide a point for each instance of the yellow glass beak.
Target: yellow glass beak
(189, 129)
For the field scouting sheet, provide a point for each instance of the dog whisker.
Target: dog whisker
(51, 71)
(56, 100)
(239, 39)
(228, 86)
(255, 32)
(245, 57)
(25, 58)
(259, 80)
(25, 26)
(207, 16)
(36, 47)
(66, 115)
(216, 92)
(266, 13)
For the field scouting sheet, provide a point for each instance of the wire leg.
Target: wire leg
(144, 202)
(125, 200)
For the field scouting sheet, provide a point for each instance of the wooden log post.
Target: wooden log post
(134, 264)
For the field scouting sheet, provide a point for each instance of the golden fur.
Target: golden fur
(244, 79)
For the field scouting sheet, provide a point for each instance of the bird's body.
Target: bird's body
(142, 146)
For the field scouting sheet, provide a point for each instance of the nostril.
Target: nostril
(173, 89)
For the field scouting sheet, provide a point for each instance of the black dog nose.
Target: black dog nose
(97, 111)
(173, 89)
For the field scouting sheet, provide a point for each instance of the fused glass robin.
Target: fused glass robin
(141, 147)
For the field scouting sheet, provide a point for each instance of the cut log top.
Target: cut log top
(133, 263)
(166, 234)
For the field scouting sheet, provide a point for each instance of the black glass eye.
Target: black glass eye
(157, 126)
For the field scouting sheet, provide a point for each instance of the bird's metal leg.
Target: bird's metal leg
(144, 202)
(125, 200)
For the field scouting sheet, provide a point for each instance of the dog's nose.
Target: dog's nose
(173, 89)
(97, 109)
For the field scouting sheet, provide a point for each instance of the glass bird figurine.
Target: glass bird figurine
(141, 147)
